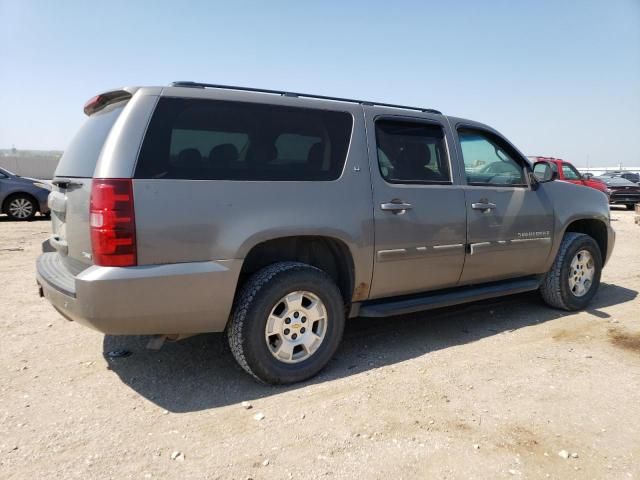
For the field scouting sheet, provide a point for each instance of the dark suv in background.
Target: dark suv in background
(631, 176)
(622, 191)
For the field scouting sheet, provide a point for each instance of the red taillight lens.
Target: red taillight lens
(113, 225)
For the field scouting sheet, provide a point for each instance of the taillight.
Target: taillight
(112, 221)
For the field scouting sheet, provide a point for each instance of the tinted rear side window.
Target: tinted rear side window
(213, 140)
(412, 152)
(81, 155)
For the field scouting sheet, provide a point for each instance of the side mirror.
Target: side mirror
(544, 172)
(587, 176)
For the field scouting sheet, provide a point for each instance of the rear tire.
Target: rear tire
(276, 352)
(574, 277)
(21, 207)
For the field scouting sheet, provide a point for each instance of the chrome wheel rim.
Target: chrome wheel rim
(296, 327)
(581, 272)
(20, 208)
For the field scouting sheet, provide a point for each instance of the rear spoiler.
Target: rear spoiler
(97, 103)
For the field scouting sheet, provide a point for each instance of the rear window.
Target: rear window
(81, 155)
(213, 140)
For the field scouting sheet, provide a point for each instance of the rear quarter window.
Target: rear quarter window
(81, 155)
(215, 140)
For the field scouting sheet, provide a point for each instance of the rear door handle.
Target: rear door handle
(396, 207)
(65, 182)
(483, 206)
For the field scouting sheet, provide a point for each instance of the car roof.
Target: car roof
(234, 93)
(209, 90)
(284, 93)
(549, 159)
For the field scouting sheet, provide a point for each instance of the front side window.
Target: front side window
(569, 172)
(489, 161)
(412, 152)
(214, 140)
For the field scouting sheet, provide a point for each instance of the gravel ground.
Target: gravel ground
(500, 389)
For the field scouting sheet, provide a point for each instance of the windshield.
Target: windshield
(7, 172)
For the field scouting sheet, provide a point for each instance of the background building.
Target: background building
(30, 163)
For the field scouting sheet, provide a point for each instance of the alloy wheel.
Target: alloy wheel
(20, 208)
(296, 327)
(581, 273)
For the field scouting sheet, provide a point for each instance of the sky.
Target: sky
(558, 78)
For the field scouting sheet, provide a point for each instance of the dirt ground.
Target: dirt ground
(496, 389)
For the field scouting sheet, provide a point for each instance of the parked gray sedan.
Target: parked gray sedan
(21, 198)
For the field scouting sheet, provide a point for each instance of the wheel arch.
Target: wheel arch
(324, 252)
(593, 227)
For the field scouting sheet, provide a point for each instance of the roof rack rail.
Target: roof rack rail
(301, 95)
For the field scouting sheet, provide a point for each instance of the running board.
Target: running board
(446, 298)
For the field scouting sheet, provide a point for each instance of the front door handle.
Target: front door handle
(396, 207)
(483, 206)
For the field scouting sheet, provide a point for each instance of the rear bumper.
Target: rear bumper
(154, 299)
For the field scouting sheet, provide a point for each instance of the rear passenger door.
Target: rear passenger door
(509, 223)
(419, 210)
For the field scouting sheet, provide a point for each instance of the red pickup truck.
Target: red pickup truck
(569, 173)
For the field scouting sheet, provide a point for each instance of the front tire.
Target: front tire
(574, 277)
(21, 207)
(287, 323)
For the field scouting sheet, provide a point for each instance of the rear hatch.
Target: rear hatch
(69, 199)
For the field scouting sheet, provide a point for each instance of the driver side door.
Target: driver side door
(509, 223)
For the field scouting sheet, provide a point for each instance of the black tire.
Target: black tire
(630, 206)
(555, 288)
(253, 305)
(16, 207)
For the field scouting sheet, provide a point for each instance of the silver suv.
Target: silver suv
(273, 216)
